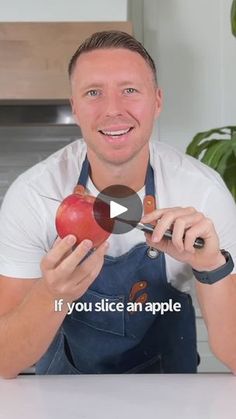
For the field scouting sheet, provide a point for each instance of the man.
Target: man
(115, 100)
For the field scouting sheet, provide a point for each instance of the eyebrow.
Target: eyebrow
(128, 82)
(100, 85)
(91, 86)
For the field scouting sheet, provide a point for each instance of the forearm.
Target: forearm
(218, 306)
(27, 331)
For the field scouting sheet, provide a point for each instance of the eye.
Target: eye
(93, 93)
(130, 90)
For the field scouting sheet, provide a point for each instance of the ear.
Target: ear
(73, 108)
(159, 101)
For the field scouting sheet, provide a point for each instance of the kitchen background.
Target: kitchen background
(195, 55)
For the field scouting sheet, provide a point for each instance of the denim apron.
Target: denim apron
(123, 341)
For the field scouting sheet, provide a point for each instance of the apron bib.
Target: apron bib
(103, 342)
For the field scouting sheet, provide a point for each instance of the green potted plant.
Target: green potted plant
(233, 17)
(217, 147)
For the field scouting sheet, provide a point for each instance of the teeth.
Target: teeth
(115, 133)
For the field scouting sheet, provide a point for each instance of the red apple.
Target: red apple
(75, 215)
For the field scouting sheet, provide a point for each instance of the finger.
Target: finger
(87, 272)
(55, 255)
(178, 234)
(96, 263)
(180, 228)
(57, 240)
(159, 213)
(168, 221)
(161, 246)
(205, 229)
(89, 264)
(68, 265)
(152, 216)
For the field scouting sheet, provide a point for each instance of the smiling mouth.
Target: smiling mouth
(115, 133)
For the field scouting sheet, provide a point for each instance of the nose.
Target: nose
(113, 105)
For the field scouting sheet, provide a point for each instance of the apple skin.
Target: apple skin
(75, 215)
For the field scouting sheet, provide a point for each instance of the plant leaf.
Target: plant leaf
(234, 137)
(229, 174)
(233, 18)
(224, 163)
(203, 135)
(205, 145)
(214, 154)
(220, 154)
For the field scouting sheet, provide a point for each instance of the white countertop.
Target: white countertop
(190, 396)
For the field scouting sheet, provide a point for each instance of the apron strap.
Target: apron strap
(149, 202)
(79, 189)
(85, 172)
(149, 181)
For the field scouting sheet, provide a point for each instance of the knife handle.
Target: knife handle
(149, 228)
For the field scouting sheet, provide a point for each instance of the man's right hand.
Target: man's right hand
(60, 271)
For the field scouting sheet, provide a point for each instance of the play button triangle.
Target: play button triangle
(116, 209)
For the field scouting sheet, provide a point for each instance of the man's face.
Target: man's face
(115, 102)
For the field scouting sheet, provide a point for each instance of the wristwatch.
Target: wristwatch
(210, 277)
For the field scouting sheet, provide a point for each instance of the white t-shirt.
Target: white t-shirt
(27, 220)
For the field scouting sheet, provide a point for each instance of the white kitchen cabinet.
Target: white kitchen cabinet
(34, 56)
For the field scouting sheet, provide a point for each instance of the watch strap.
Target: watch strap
(210, 277)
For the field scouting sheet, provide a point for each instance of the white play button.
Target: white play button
(116, 209)
(122, 204)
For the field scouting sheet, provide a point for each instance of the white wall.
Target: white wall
(63, 10)
(195, 53)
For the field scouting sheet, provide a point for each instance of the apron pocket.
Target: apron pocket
(152, 366)
(98, 312)
(62, 362)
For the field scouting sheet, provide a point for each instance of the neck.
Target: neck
(131, 173)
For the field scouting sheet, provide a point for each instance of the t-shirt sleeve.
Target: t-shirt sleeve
(221, 209)
(22, 232)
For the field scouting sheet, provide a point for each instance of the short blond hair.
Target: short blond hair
(112, 39)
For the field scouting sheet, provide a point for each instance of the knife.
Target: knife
(149, 228)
